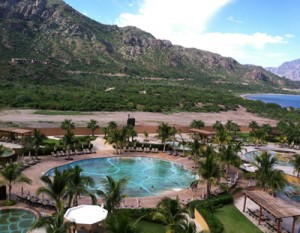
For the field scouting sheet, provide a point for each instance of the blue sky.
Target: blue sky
(260, 32)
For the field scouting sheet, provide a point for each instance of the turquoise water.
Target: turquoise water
(7, 152)
(15, 220)
(250, 156)
(282, 100)
(146, 176)
(290, 193)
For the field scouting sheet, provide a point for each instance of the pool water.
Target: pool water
(290, 193)
(7, 152)
(146, 176)
(283, 159)
(16, 220)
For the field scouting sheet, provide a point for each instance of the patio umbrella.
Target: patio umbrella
(86, 214)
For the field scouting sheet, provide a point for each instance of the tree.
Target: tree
(78, 184)
(37, 141)
(113, 192)
(120, 223)
(222, 137)
(68, 140)
(130, 132)
(146, 135)
(267, 175)
(195, 146)
(53, 224)
(209, 169)
(232, 128)
(258, 136)
(170, 213)
(253, 125)
(93, 126)
(296, 164)
(112, 125)
(56, 188)
(114, 137)
(218, 126)
(11, 174)
(229, 156)
(67, 125)
(165, 131)
(197, 124)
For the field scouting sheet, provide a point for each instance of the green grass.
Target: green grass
(50, 112)
(149, 227)
(234, 221)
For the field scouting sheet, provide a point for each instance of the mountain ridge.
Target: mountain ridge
(289, 69)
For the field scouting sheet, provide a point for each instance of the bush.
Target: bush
(9, 202)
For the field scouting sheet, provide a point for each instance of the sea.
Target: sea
(281, 99)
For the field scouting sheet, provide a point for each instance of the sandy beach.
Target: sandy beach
(28, 118)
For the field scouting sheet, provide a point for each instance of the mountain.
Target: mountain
(53, 57)
(290, 70)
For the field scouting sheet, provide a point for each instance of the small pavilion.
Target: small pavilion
(274, 206)
(203, 133)
(16, 132)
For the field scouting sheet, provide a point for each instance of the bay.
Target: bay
(281, 99)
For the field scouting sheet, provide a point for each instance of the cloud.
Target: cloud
(232, 19)
(289, 35)
(185, 22)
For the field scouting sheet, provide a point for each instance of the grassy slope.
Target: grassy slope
(234, 221)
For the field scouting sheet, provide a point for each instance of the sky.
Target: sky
(258, 32)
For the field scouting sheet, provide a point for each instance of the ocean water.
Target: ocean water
(282, 100)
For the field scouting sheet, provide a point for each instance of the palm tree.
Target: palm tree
(296, 164)
(114, 138)
(120, 223)
(258, 136)
(130, 132)
(195, 146)
(228, 156)
(93, 126)
(222, 137)
(267, 175)
(56, 188)
(277, 181)
(253, 125)
(112, 125)
(67, 125)
(113, 192)
(197, 124)
(11, 174)
(53, 224)
(38, 139)
(68, 140)
(78, 184)
(232, 127)
(165, 131)
(146, 135)
(218, 126)
(185, 226)
(170, 213)
(209, 169)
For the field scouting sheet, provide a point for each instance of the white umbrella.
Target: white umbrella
(86, 214)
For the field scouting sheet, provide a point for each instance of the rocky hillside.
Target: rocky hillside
(50, 32)
(290, 70)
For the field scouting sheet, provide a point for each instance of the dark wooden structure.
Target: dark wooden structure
(275, 206)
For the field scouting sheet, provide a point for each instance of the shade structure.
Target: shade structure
(86, 214)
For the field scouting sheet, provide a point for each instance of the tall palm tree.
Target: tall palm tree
(170, 213)
(218, 126)
(258, 136)
(114, 137)
(112, 125)
(93, 126)
(78, 184)
(56, 188)
(222, 137)
(113, 192)
(277, 181)
(253, 125)
(296, 164)
(266, 173)
(53, 224)
(68, 140)
(209, 169)
(11, 174)
(228, 156)
(67, 125)
(198, 124)
(195, 146)
(165, 131)
(232, 128)
(130, 132)
(38, 139)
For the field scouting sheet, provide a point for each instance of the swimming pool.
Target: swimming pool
(16, 220)
(283, 158)
(291, 193)
(146, 176)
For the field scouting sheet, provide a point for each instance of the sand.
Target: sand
(27, 118)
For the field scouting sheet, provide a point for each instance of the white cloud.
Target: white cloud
(185, 22)
(289, 35)
(234, 20)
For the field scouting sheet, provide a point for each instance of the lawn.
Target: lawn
(234, 221)
(149, 227)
